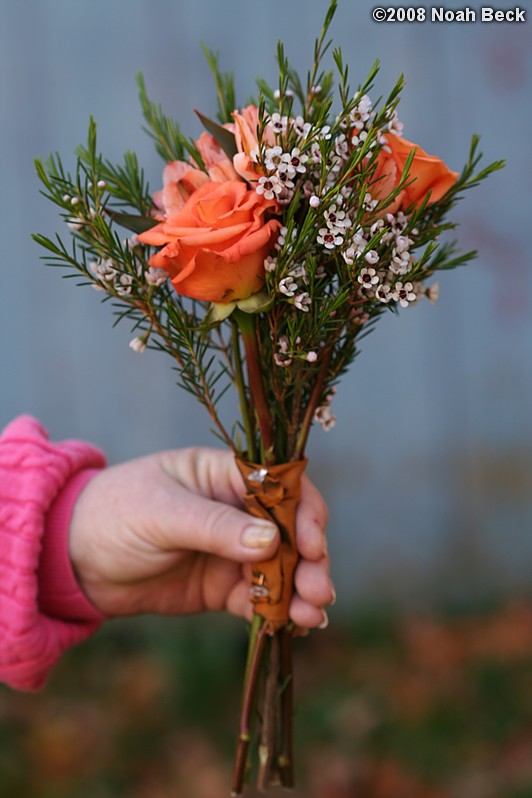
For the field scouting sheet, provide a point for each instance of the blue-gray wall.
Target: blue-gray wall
(428, 472)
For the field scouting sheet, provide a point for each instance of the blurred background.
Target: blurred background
(427, 474)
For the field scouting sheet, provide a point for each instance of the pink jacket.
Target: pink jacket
(42, 608)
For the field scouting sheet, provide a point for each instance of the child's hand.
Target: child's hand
(163, 534)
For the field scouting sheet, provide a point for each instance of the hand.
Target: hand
(164, 534)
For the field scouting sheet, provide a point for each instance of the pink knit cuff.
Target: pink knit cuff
(33, 474)
(60, 595)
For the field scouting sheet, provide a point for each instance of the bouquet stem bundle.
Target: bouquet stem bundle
(272, 493)
(270, 655)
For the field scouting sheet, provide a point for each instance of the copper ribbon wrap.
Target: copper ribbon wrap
(273, 492)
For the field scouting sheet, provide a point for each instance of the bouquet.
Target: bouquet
(278, 239)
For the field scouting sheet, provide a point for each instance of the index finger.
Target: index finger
(311, 521)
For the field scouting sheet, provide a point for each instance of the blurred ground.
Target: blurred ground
(432, 706)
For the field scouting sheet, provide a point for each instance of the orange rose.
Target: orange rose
(180, 181)
(214, 247)
(245, 129)
(217, 163)
(182, 178)
(427, 172)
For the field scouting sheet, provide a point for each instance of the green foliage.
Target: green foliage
(225, 87)
(224, 137)
(166, 133)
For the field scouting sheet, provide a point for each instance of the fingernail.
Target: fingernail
(333, 591)
(325, 623)
(258, 536)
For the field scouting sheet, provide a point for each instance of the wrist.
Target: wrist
(60, 593)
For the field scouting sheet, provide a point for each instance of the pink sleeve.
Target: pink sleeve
(42, 609)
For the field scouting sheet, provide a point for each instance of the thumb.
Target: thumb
(217, 528)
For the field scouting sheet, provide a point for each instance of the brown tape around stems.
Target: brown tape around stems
(273, 492)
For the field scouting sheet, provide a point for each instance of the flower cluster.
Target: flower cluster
(297, 207)
(323, 414)
(109, 277)
(285, 166)
(281, 168)
(311, 223)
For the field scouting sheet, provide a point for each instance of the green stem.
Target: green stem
(269, 736)
(247, 325)
(286, 679)
(294, 414)
(241, 387)
(315, 397)
(257, 641)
